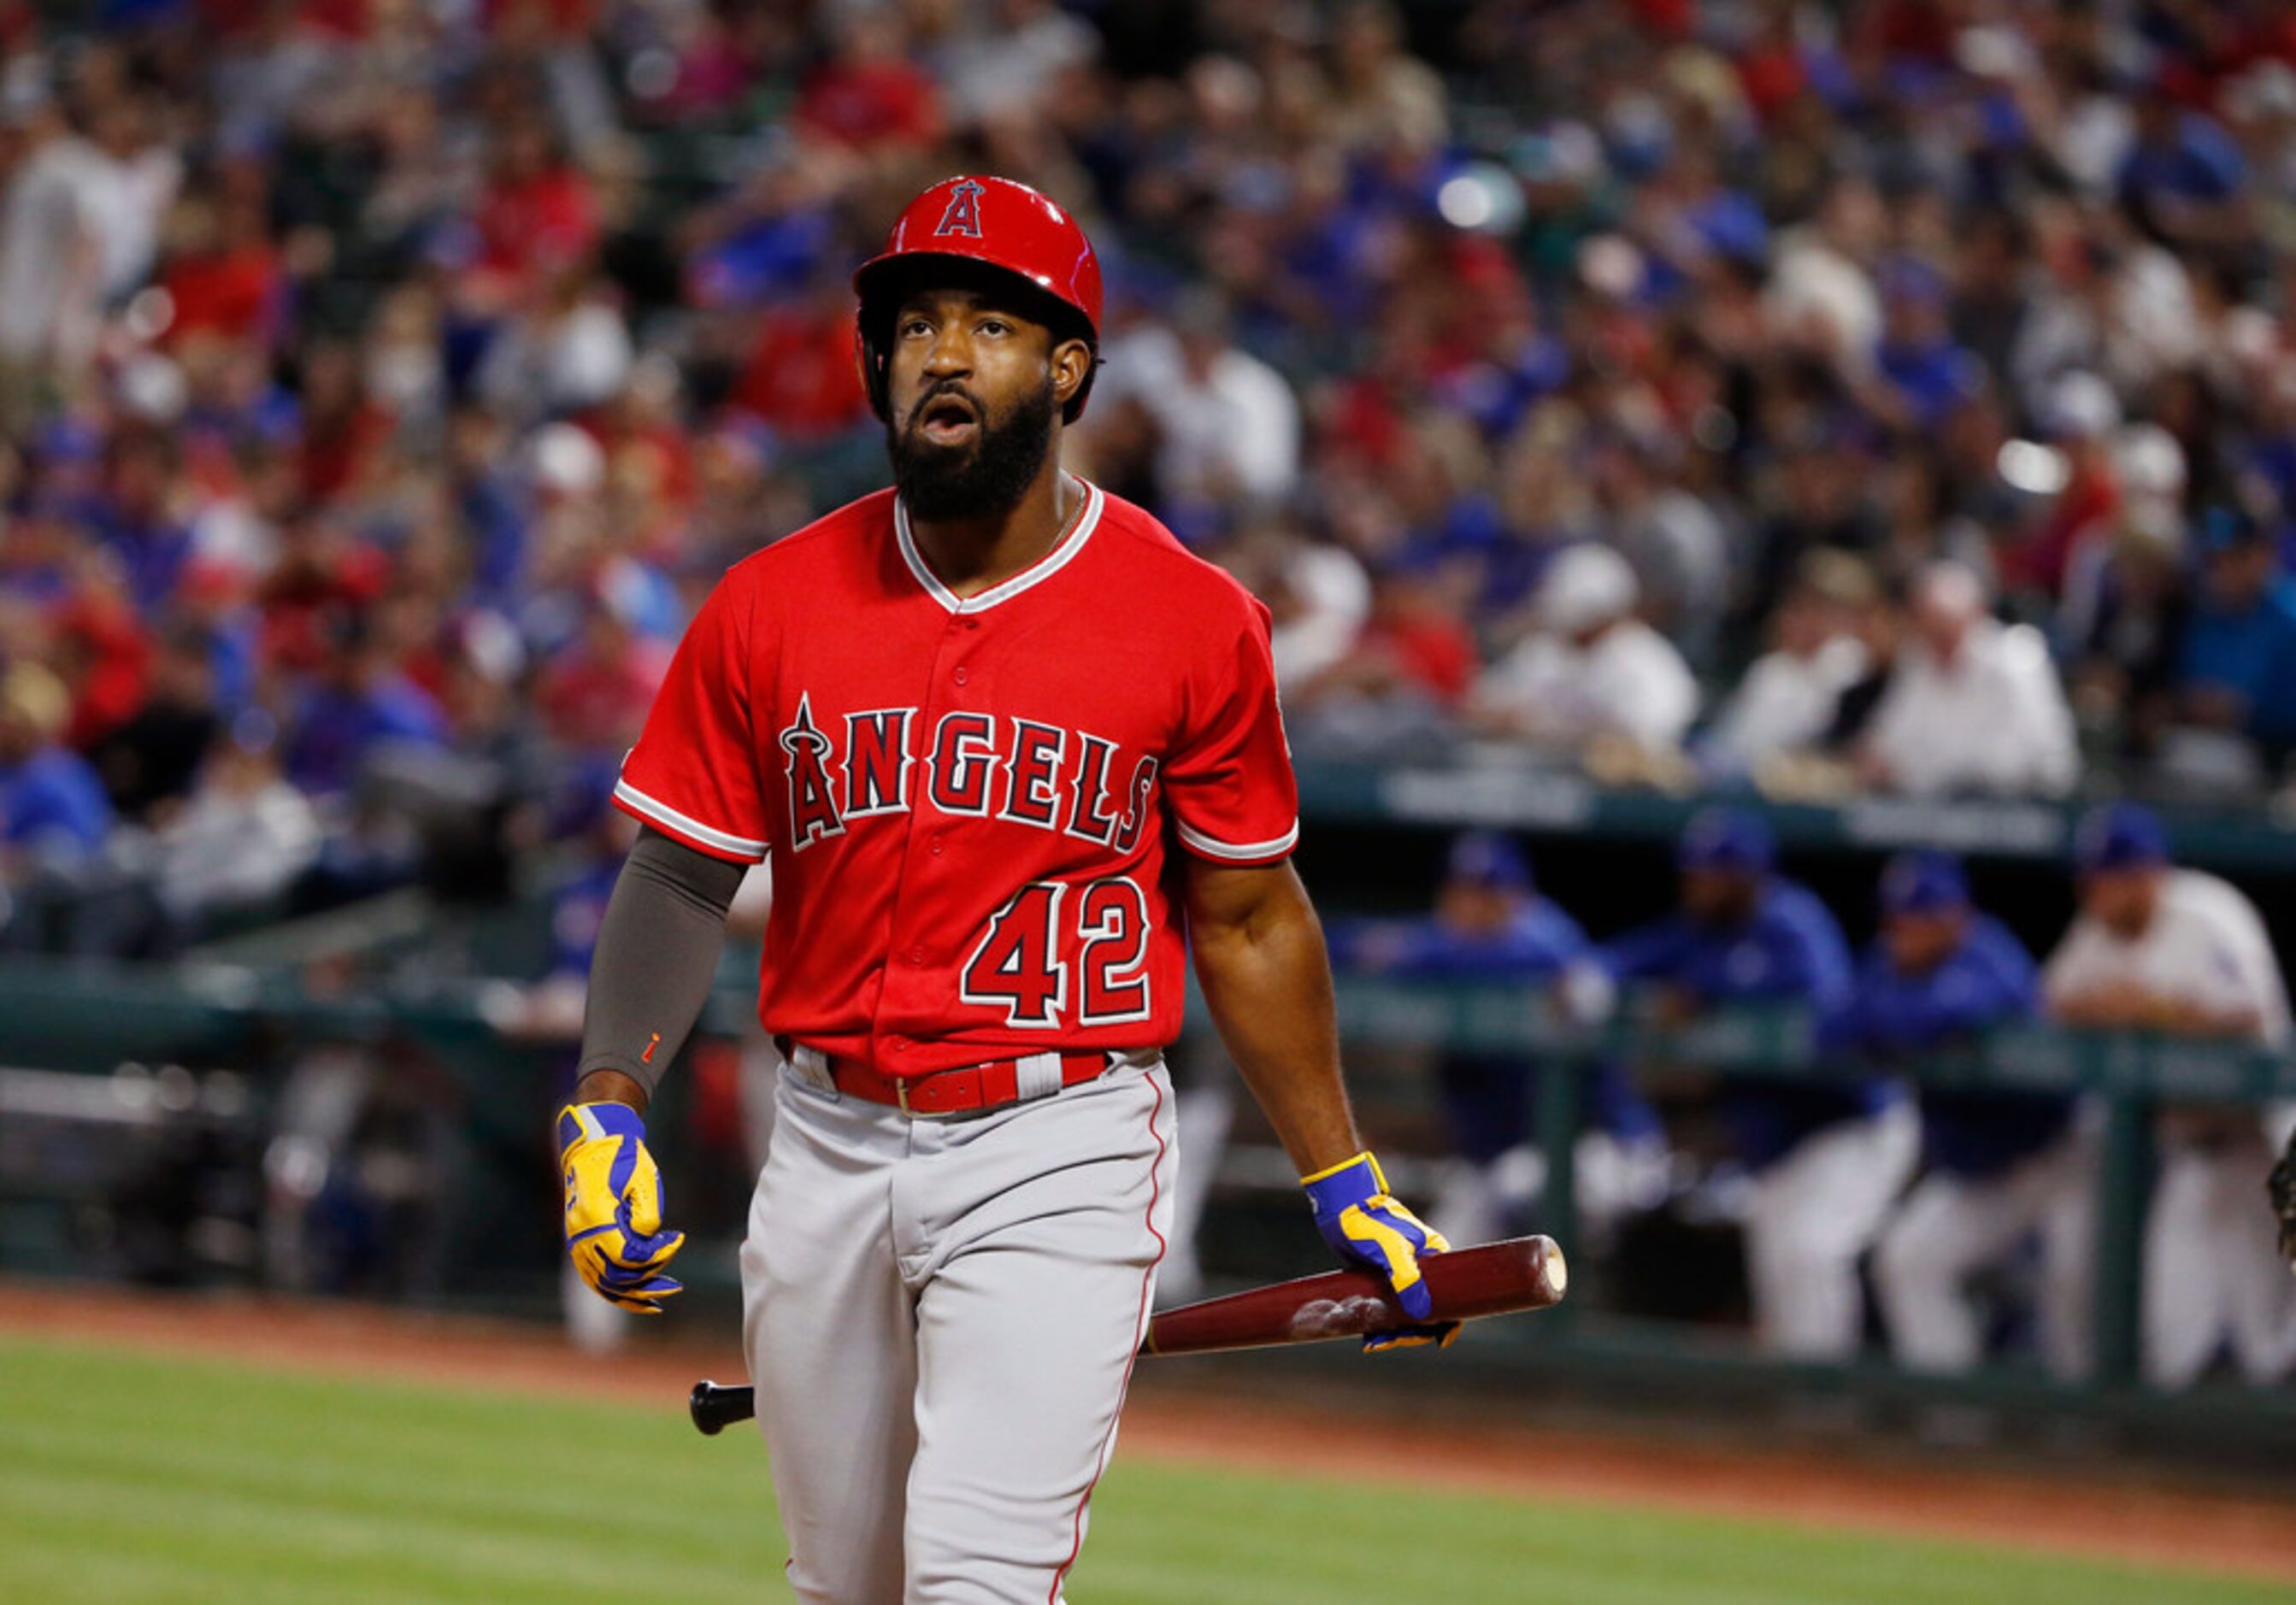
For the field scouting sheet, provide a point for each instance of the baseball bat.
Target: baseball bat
(1465, 1284)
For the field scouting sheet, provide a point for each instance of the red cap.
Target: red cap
(999, 224)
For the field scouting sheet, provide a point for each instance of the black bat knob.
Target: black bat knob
(703, 1406)
(715, 1408)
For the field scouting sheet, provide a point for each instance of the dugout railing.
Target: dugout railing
(2125, 1075)
(94, 1019)
(2237, 839)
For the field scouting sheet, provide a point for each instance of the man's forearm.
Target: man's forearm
(1268, 982)
(2091, 1009)
(2191, 1017)
(657, 956)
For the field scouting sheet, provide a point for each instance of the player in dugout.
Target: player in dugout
(1490, 924)
(2002, 1166)
(1013, 751)
(2177, 951)
(1827, 1158)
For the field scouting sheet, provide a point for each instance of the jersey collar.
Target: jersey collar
(1037, 573)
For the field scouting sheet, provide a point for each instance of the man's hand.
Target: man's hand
(2099, 1008)
(613, 1206)
(2284, 1200)
(1367, 1227)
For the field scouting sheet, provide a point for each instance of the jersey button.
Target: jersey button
(936, 845)
(916, 955)
(960, 676)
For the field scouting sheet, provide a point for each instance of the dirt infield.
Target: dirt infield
(2232, 1534)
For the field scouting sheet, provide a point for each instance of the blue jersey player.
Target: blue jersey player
(1827, 1158)
(1489, 925)
(2001, 1166)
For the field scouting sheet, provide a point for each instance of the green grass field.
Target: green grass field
(125, 1477)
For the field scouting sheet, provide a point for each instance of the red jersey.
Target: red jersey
(975, 807)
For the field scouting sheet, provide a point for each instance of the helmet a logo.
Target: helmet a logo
(963, 215)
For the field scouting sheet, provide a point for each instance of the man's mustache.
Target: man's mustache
(951, 391)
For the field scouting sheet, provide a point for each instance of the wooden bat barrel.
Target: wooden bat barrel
(1465, 1284)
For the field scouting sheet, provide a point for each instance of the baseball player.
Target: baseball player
(2160, 949)
(1491, 924)
(1826, 1159)
(1010, 746)
(2001, 1166)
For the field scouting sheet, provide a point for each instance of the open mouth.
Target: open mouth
(947, 420)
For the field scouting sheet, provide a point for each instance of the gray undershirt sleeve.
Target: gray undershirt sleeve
(657, 956)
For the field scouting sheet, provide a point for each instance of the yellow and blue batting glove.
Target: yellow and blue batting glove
(613, 1206)
(1366, 1226)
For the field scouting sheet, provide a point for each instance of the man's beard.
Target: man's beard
(978, 481)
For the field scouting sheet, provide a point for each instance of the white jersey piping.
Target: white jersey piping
(1037, 573)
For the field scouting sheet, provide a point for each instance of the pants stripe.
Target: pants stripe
(1140, 1330)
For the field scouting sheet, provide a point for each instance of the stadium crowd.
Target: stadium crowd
(1722, 393)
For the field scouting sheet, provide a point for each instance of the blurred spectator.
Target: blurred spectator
(244, 835)
(223, 276)
(1826, 1159)
(1318, 595)
(1408, 671)
(149, 761)
(1677, 548)
(137, 513)
(2078, 415)
(103, 652)
(867, 95)
(564, 350)
(1788, 700)
(1009, 67)
(1821, 505)
(2183, 953)
(342, 428)
(1925, 374)
(2182, 179)
(1489, 925)
(1590, 668)
(799, 377)
(1975, 705)
(1228, 426)
(597, 693)
(1379, 94)
(51, 285)
(2123, 640)
(360, 698)
(1999, 1168)
(128, 183)
(2237, 671)
(536, 219)
(1878, 624)
(53, 808)
(1821, 294)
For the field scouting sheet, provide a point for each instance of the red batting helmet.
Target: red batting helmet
(999, 224)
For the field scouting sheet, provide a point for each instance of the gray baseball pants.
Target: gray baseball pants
(940, 1315)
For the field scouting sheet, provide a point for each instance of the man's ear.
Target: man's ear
(1071, 364)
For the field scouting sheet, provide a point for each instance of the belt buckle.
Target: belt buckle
(901, 1096)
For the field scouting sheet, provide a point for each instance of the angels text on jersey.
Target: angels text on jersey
(876, 762)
